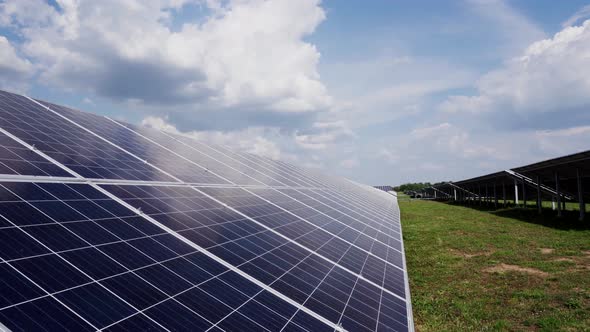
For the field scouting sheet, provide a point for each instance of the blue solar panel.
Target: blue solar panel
(105, 225)
(122, 277)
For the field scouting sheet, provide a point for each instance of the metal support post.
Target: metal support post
(516, 192)
(581, 194)
(558, 194)
(495, 197)
(479, 193)
(504, 193)
(539, 199)
(523, 194)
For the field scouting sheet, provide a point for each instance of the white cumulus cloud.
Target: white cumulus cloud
(14, 70)
(248, 54)
(552, 75)
(256, 140)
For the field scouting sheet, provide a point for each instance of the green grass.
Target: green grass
(474, 270)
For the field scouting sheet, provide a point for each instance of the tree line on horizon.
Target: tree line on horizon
(414, 186)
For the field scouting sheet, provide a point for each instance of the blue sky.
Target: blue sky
(383, 92)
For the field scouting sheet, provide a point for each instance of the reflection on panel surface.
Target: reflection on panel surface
(109, 226)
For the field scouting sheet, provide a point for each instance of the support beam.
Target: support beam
(539, 199)
(581, 194)
(523, 194)
(487, 196)
(504, 192)
(516, 192)
(455, 193)
(495, 197)
(479, 193)
(558, 194)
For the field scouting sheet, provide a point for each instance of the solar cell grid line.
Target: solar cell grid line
(278, 167)
(62, 317)
(368, 237)
(226, 155)
(158, 143)
(175, 150)
(105, 278)
(217, 193)
(289, 239)
(363, 197)
(230, 157)
(232, 160)
(327, 206)
(326, 180)
(281, 225)
(396, 212)
(252, 160)
(364, 243)
(205, 222)
(17, 160)
(66, 142)
(286, 320)
(235, 170)
(297, 317)
(351, 324)
(252, 214)
(66, 271)
(226, 264)
(349, 212)
(330, 198)
(136, 146)
(371, 311)
(109, 277)
(192, 155)
(262, 162)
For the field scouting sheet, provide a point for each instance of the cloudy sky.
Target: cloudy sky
(380, 91)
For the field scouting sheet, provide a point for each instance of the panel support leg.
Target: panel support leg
(495, 197)
(479, 193)
(515, 192)
(558, 194)
(539, 200)
(504, 192)
(581, 194)
(523, 194)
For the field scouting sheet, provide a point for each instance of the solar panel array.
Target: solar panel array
(385, 188)
(109, 226)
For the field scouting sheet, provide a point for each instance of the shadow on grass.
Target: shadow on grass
(548, 218)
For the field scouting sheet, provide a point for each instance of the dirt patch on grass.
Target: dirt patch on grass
(564, 259)
(470, 255)
(503, 268)
(546, 251)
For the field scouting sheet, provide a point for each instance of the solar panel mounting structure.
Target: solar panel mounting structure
(109, 226)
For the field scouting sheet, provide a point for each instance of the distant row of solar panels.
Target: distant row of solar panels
(385, 188)
(109, 226)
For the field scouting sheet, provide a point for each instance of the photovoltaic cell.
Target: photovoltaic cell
(140, 146)
(148, 278)
(110, 226)
(296, 272)
(79, 150)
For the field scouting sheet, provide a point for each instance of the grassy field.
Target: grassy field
(509, 270)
